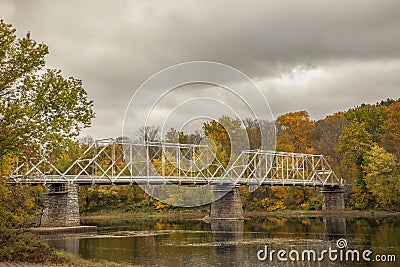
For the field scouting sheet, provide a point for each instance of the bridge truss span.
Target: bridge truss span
(260, 167)
(122, 161)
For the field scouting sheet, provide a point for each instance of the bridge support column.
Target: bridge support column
(61, 207)
(333, 198)
(227, 207)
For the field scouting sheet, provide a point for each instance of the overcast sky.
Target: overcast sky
(319, 56)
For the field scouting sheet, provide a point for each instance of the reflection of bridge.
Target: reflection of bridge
(119, 161)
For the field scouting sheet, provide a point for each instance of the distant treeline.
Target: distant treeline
(362, 145)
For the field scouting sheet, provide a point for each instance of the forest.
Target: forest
(362, 145)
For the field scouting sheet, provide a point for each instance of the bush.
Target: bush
(23, 246)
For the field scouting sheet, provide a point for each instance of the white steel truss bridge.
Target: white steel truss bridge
(116, 161)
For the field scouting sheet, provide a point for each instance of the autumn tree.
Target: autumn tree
(382, 177)
(325, 138)
(354, 143)
(36, 106)
(229, 136)
(294, 132)
(391, 137)
(371, 116)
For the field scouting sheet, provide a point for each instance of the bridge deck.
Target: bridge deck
(158, 180)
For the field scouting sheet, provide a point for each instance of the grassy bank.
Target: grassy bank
(19, 246)
(62, 258)
(68, 259)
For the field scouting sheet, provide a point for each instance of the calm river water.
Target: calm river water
(165, 242)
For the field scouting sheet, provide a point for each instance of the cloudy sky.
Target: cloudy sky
(319, 56)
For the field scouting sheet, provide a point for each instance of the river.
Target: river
(254, 242)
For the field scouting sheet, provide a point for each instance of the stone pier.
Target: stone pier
(333, 198)
(229, 206)
(61, 206)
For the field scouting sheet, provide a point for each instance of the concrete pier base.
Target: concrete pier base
(333, 199)
(61, 207)
(229, 206)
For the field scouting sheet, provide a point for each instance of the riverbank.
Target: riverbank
(20, 247)
(66, 259)
(345, 213)
(196, 214)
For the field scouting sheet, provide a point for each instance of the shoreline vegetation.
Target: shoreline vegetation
(200, 214)
(21, 247)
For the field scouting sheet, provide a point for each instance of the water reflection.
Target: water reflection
(228, 234)
(70, 244)
(335, 227)
(164, 242)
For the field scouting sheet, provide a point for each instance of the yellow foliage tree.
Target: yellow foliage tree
(294, 132)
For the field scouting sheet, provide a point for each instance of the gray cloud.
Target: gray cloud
(113, 46)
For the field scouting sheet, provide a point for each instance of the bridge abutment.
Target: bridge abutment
(333, 198)
(61, 207)
(229, 206)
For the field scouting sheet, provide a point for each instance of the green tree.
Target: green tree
(391, 138)
(38, 107)
(65, 154)
(19, 205)
(382, 177)
(42, 107)
(353, 144)
(229, 137)
(372, 116)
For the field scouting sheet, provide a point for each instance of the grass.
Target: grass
(67, 259)
(21, 246)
